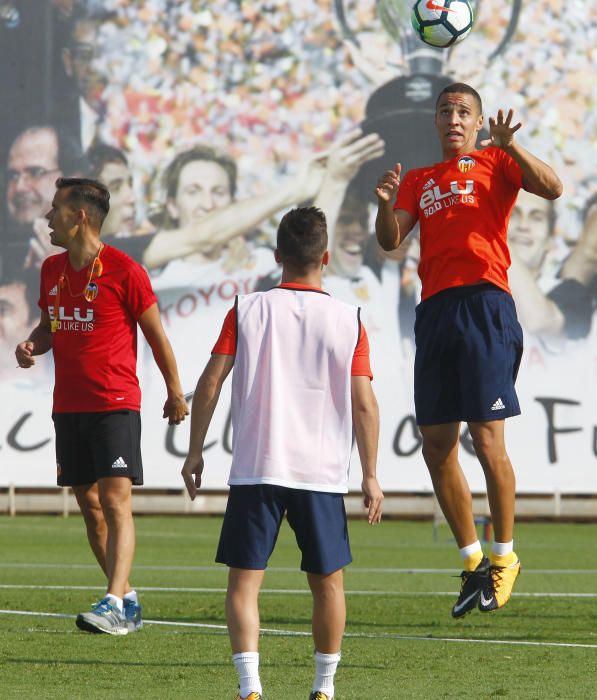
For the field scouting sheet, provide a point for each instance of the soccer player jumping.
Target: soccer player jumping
(468, 339)
(301, 381)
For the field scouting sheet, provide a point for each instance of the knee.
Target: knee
(327, 586)
(114, 507)
(491, 454)
(436, 453)
(91, 510)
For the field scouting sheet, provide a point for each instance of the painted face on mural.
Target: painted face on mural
(32, 170)
(529, 231)
(119, 181)
(203, 187)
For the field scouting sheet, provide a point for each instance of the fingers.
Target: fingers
(373, 500)
(189, 482)
(387, 185)
(24, 355)
(175, 412)
(191, 474)
(398, 170)
(375, 510)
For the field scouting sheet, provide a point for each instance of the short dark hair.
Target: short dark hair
(90, 195)
(100, 154)
(302, 238)
(172, 173)
(463, 88)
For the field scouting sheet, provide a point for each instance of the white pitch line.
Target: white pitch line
(288, 591)
(285, 569)
(351, 635)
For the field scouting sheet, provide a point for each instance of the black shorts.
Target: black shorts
(469, 347)
(91, 446)
(253, 518)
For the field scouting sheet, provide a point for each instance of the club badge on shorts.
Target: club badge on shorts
(91, 291)
(466, 163)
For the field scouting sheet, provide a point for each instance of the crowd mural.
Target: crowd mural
(207, 121)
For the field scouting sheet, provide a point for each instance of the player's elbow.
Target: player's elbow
(554, 189)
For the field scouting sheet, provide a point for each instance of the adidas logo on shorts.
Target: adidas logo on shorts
(498, 405)
(120, 464)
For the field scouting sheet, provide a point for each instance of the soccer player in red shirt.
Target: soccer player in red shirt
(468, 339)
(91, 298)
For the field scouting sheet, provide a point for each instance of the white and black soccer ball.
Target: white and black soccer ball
(442, 23)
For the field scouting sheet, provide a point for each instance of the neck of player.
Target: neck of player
(84, 248)
(309, 279)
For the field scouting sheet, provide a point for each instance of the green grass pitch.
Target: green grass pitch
(401, 640)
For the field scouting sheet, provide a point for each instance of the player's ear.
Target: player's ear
(480, 122)
(277, 257)
(325, 260)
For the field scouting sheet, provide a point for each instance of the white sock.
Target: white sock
(470, 549)
(501, 548)
(247, 667)
(115, 600)
(325, 670)
(132, 595)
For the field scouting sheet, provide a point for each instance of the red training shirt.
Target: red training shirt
(463, 206)
(226, 343)
(95, 344)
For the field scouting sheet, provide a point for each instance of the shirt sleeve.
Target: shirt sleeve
(226, 343)
(139, 294)
(361, 364)
(406, 198)
(42, 301)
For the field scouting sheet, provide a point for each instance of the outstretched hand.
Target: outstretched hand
(501, 132)
(350, 151)
(387, 185)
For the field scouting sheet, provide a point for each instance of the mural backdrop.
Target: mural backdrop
(208, 120)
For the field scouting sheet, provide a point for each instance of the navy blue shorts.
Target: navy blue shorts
(90, 446)
(469, 347)
(253, 518)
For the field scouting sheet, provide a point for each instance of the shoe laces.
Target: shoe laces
(319, 696)
(464, 577)
(103, 606)
(495, 576)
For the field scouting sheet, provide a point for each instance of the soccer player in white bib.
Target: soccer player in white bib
(301, 385)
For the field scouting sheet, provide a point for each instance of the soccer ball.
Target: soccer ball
(442, 23)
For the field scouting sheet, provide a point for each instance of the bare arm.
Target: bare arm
(204, 404)
(345, 158)
(538, 313)
(391, 226)
(175, 408)
(365, 417)
(537, 177)
(222, 225)
(38, 342)
(582, 263)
